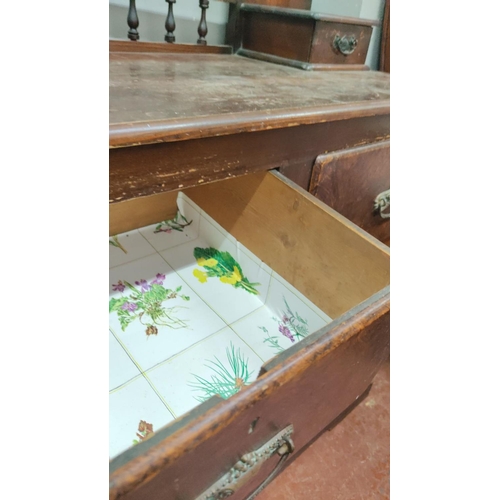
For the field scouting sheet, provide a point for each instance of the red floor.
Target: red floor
(349, 462)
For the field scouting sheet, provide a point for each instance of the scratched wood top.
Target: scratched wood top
(158, 97)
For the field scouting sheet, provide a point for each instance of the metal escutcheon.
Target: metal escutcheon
(248, 466)
(346, 44)
(381, 203)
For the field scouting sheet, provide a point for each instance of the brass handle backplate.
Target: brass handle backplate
(381, 203)
(248, 466)
(346, 44)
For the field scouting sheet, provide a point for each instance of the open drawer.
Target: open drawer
(229, 447)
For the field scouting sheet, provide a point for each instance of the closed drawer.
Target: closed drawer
(341, 269)
(351, 180)
(304, 39)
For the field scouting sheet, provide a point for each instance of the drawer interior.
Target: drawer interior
(319, 256)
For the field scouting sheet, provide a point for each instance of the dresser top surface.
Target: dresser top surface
(165, 97)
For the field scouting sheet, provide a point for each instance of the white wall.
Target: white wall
(186, 9)
(350, 8)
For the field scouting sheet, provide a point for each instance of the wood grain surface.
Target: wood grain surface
(171, 97)
(349, 181)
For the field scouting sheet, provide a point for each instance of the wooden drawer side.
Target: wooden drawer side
(314, 248)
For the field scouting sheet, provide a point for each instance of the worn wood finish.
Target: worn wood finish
(157, 47)
(245, 95)
(349, 181)
(165, 137)
(135, 172)
(309, 389)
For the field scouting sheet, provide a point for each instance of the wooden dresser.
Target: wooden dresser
(290, 162)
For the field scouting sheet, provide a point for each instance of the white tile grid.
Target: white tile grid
(174, 378)
(228, 302)
(199, 319)
(267, 344)
(188, 354)
(162, 240)
(121, 367)
(135, 246)
(131, 403)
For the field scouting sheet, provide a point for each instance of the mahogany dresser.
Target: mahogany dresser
(291, 164)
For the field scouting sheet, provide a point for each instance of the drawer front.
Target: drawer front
(308, 390)
(305, 387)
(337, 43)
(282, 36)
(349, 181)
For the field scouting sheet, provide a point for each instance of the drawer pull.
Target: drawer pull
(382, 202)
(248, 466)
(346, 44)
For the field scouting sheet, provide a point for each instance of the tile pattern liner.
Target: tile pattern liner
(193, 313)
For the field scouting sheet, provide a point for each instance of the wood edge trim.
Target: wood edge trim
(147, 466)
(159, 47)
(263, 56)
(326, 158)
(306, 14)
(272, 58)
(338, 67)
(158, 131)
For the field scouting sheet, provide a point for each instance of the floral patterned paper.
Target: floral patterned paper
(194, 318)
(145, 304)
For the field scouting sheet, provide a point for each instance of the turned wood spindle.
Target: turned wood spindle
(170, 22)
(202, 28)
(132, 21)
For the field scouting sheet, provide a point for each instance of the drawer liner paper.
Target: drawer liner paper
(193, 313)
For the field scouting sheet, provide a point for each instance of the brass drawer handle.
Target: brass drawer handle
(382, 201)
(345, 45)
(248, 466)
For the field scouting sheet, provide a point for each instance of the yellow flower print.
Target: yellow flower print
(206, 262)
(234, 278)
(202, 277)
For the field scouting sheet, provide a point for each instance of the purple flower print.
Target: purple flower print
(285, 319)
(119, 287)
(158, 280)
(144, 285)
(129, 306)
(167, 230)
(286, 332)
